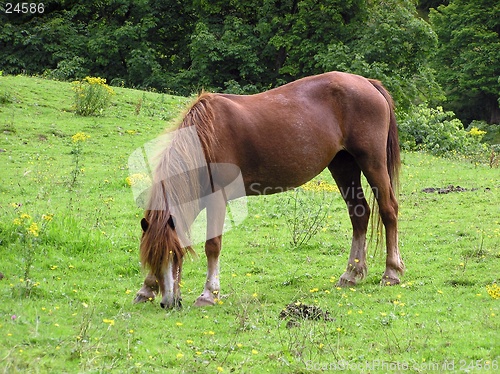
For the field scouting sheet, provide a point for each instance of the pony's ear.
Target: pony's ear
(171, 222)
(144, 224)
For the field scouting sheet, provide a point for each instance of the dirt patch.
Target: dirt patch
(299, 311)
(448, 189)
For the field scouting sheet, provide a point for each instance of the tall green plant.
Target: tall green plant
(77, 141)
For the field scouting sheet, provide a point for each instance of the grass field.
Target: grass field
(69, 236)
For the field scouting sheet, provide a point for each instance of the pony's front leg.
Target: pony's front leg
(170, 284)
(148, 291)
(216, 212)
(212, 285)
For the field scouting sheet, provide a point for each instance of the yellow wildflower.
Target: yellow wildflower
(476, 132)
(34, 229)
(494, 290)
(79, 137)
(134, 179)
(25, 216)
(47, 217)
(319, 186)
(97, 81)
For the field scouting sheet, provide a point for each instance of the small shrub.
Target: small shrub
(303, 221)
(92, 96)
(440, 133)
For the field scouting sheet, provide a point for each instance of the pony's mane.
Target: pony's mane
(200, 114)
(176, 180)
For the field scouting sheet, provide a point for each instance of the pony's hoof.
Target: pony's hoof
(389, 281)
(346, 282)
(142, 298)
(204, 301)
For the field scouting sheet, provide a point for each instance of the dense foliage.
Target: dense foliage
(468, 57)
(249, 46)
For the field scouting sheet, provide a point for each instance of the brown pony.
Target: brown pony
(278, 140)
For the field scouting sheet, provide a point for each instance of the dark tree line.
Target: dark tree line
(423, 52)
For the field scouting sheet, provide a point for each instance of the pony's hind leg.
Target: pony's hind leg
(148, 291)
(347, 175)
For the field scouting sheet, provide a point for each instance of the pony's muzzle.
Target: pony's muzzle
(176, 304)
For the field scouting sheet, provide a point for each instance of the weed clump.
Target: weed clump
(92, 96)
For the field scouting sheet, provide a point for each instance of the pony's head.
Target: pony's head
(161, 251)
(159, 242)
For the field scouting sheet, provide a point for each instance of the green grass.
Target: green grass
(66, 299)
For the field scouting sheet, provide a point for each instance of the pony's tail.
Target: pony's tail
(393, 153)
(393, 158)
